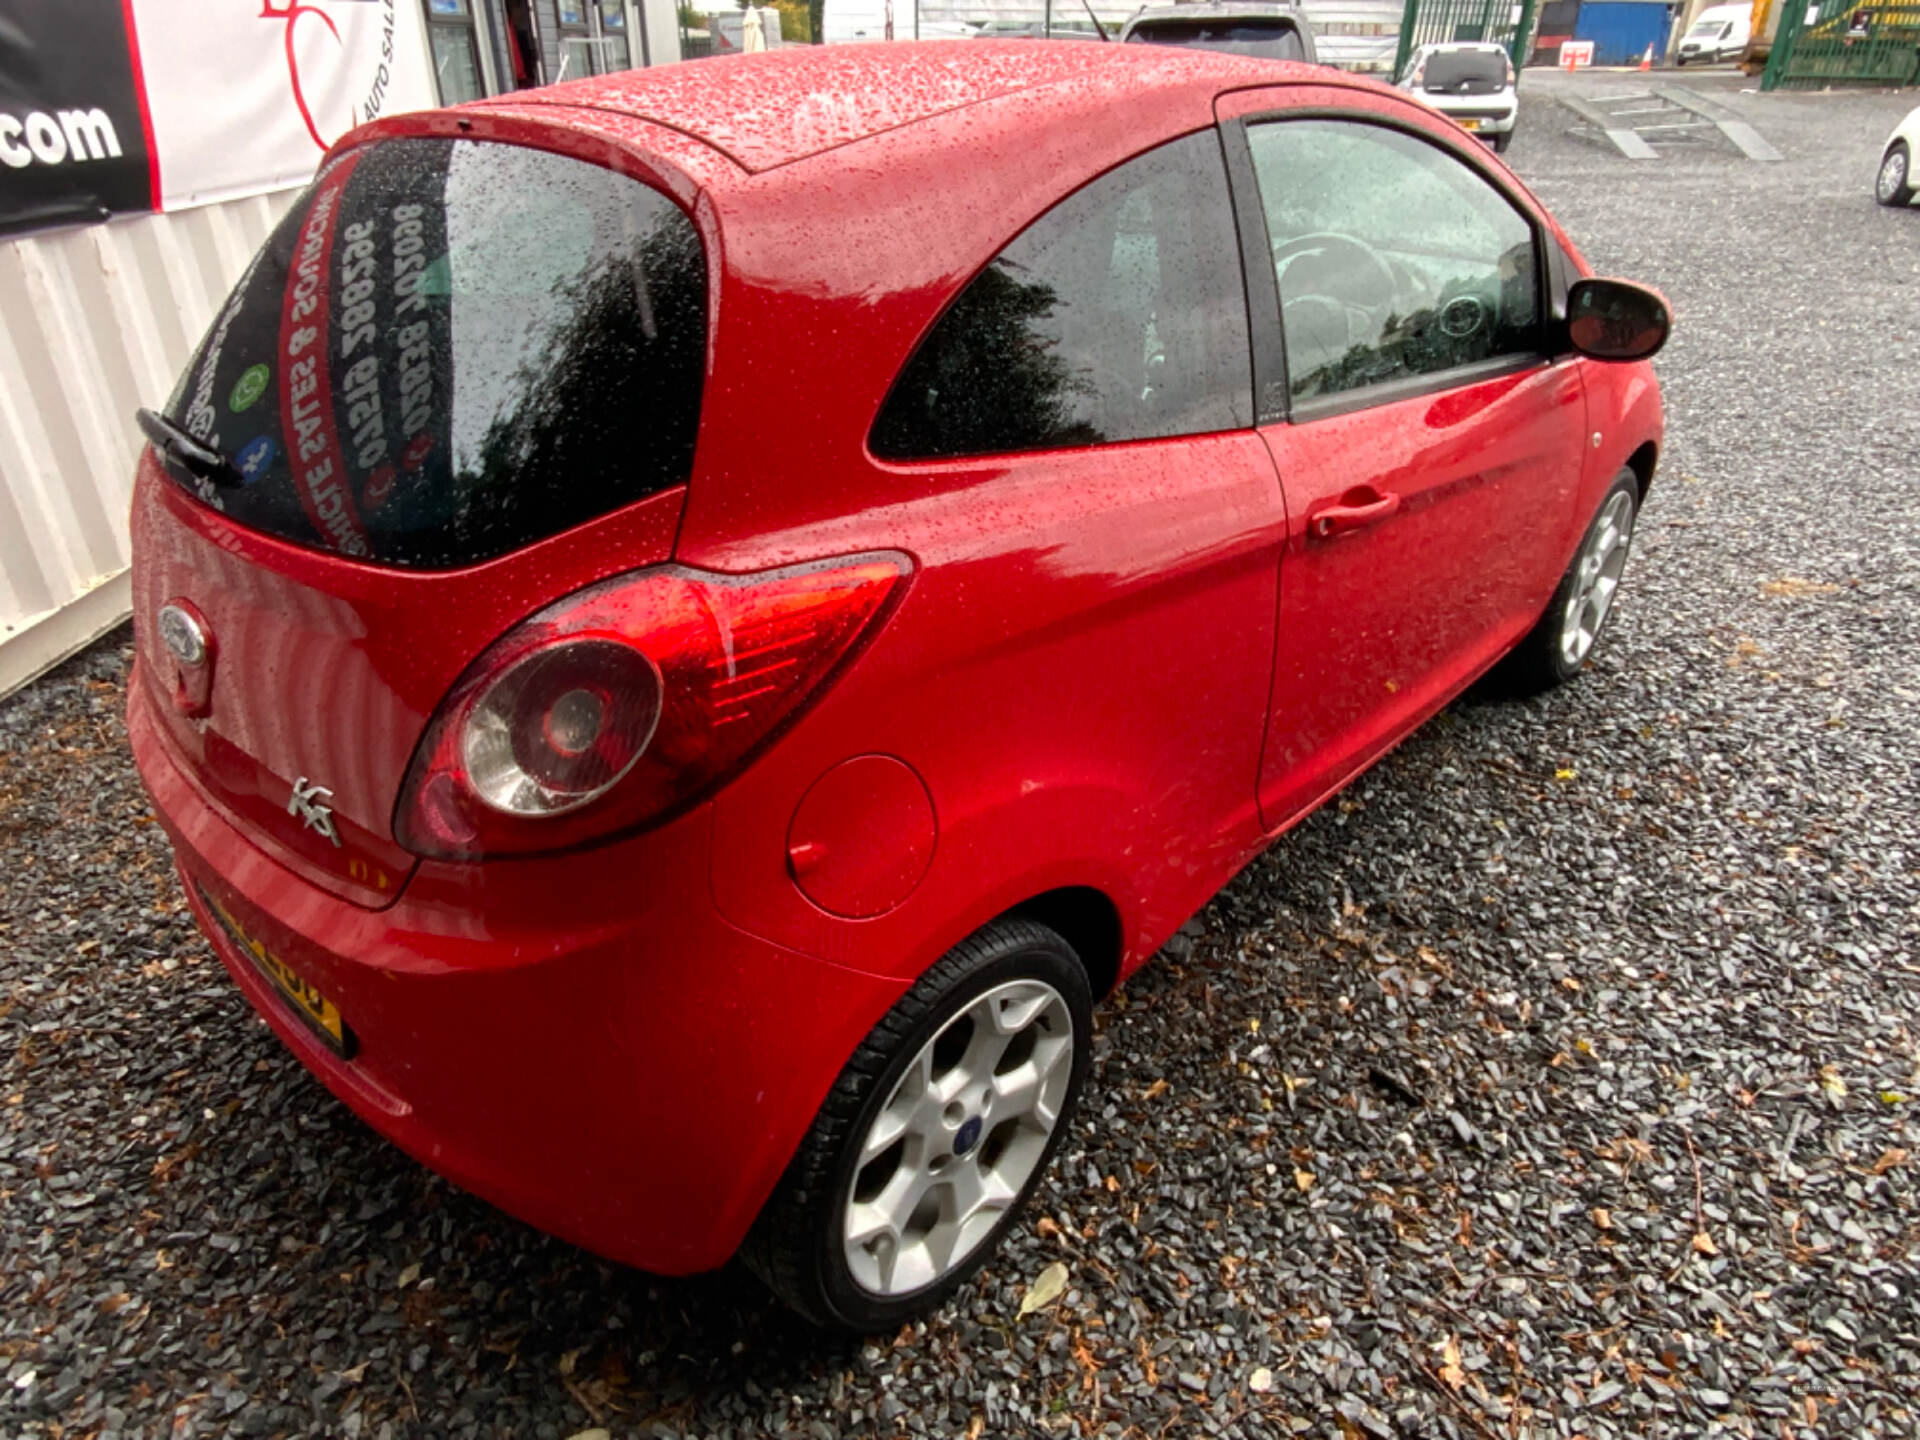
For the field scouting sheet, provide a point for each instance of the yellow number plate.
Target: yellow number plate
(320, 1013)
(1469, 124)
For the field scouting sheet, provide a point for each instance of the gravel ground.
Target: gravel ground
(1558, 1079)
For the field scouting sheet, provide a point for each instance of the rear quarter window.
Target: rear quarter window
(1120, 314)
(450, 349)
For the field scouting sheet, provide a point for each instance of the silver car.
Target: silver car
(1263, 28)
(1471, 83)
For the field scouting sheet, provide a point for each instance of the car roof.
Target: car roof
(1215, 10)
(773, 108)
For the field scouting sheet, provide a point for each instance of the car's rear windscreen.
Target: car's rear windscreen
(1466, 72)
(1266, 39)
(449, 349)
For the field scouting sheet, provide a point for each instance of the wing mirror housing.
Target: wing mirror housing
(1616, 319)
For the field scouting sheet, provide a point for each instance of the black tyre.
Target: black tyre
(1558, 646)
(1894, 183)
(935, 1134)
(1501, 141)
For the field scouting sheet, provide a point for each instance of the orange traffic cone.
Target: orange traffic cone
(1646, 60)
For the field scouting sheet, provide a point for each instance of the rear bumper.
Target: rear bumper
(1487, 120)
(580, 1040)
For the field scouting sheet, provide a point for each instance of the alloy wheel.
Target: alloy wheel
(958, 1139)
(1596, 579)
(1893, 176)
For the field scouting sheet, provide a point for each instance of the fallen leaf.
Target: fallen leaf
(975, 1426)
(594, 1434)
(1304, 1179)
(1565, 772)
(1792, 588)
(1261, 1380)
(1046, 1225)
(352, 1377)
(1703, 1242)
(1047, 1288)
(1450, 1370)
(1889, 1159)
(1154, 1091)
(113, 1304)
(1602, 1218)
(1831, 1082)
(408, 1276)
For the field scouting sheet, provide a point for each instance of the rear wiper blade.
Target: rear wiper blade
(179, 447)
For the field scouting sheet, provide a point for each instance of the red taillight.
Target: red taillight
(619, 705)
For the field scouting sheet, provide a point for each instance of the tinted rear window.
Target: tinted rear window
(1265, 39)
(449, 349)
(1479, 70)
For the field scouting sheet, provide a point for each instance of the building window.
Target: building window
(456, 58)
(613, 29)
(593, 37)
(576, 40)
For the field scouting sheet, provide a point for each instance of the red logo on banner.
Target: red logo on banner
(292, 11)
(306, 379)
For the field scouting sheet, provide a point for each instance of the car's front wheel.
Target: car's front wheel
(1556, 648)
(1894, 184)
(1500, 142)
(935, 1134)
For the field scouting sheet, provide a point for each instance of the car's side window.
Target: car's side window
(1118, 315)
(1394, 259)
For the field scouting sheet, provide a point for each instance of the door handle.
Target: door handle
(1355, 510)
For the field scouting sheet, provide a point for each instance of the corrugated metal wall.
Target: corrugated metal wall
(95, 320)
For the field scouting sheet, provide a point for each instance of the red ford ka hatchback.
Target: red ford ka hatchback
(690, 624)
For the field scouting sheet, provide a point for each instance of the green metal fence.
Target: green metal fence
(1844, 42)
(1428, 22)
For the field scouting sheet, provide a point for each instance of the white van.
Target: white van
(1720, 32)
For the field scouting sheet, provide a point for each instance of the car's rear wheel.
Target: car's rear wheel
(935, 1134)
(1894, 184)
(1558, 646)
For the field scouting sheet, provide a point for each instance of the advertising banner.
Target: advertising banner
(72, 144)
(246, 95)
(109, 106)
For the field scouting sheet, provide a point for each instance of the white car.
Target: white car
(1471, 83)
(1894, 185)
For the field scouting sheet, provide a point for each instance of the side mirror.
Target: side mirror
(1616, 319)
